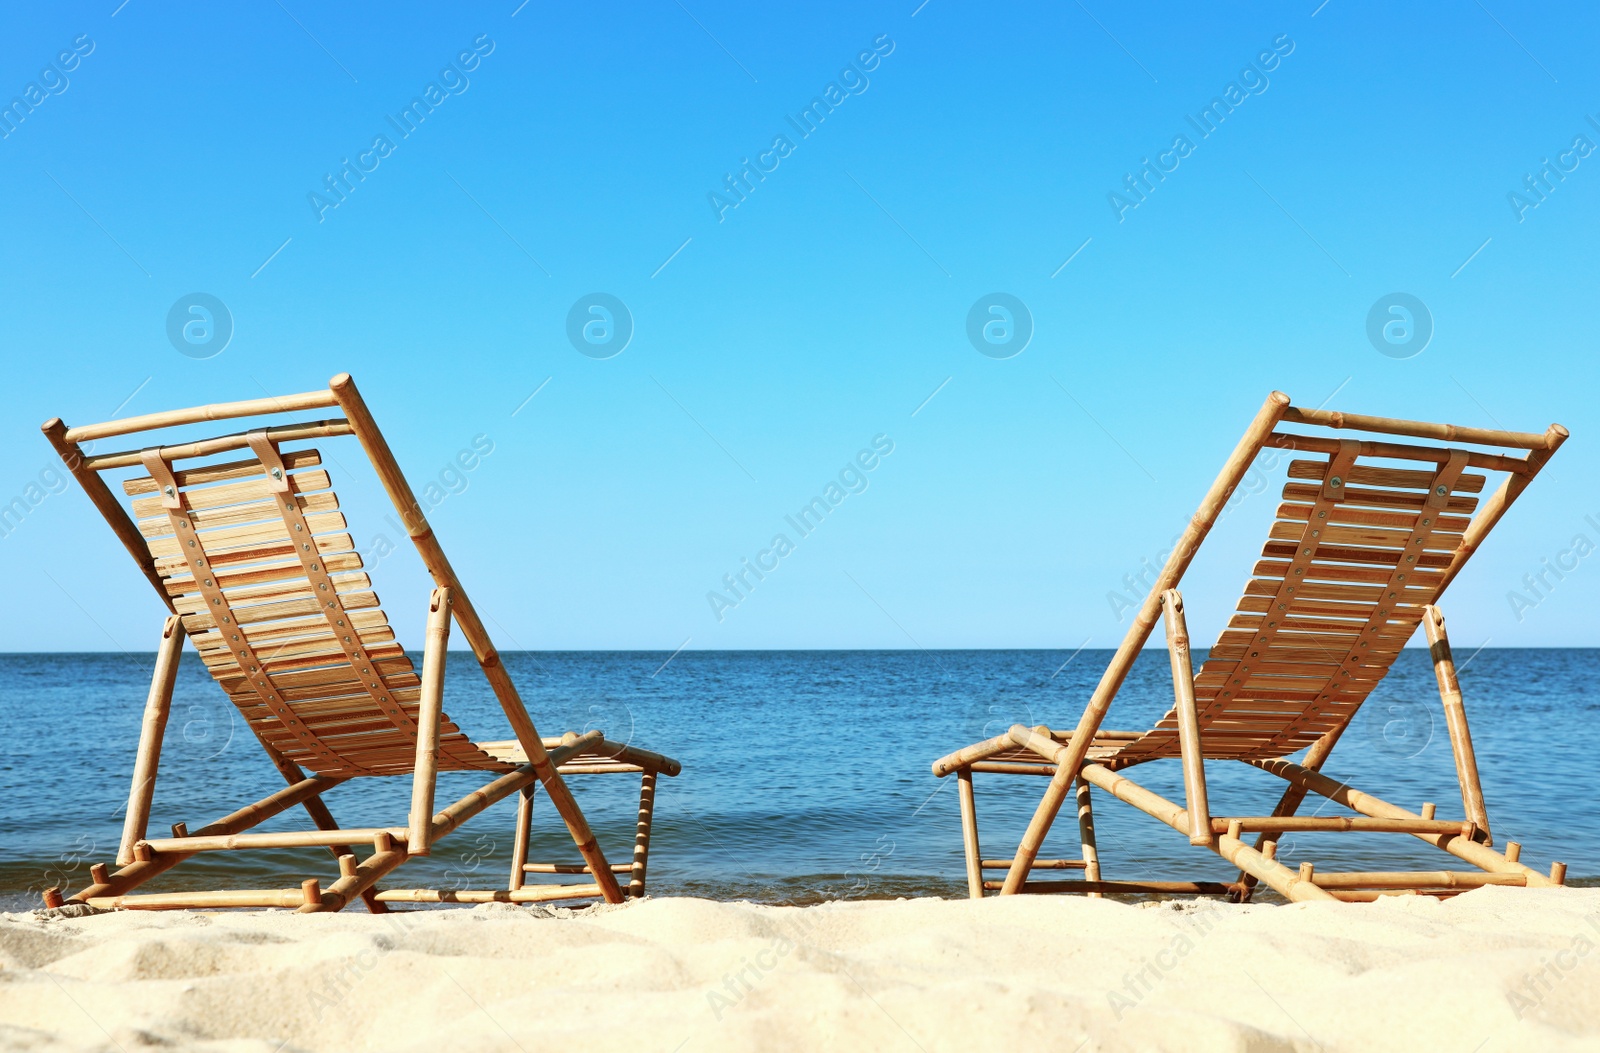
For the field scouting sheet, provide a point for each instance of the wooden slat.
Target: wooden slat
(250, 512)
(216, 473)
(264, 573)
(1344, 515)
(1376, 537)
(251, 541)
(325, 543)
(1396, 478)
(1356, 496)
(252, 489)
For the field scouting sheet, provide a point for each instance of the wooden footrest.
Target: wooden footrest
(1038, 864)
(571, 868)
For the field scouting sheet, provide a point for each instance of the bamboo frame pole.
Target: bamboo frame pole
(641, 837)
(1490, 511)
(1480, 856)
(197, 414)
(194, 843)
(1211, 506)
(106, 503)
(519, 840)
(339, 894)
(1455, 719)
(1009, 768)
(968, 755)
(1091, 851)
(969, 833)
(1521, 440)
(1494, 462)
(531, 894)
(1345, 823)
(1038, 864)
(153, 864)
(425, 775)
(1194, 762)
(289, 897)
(433, 557)
(1228, 846)
(158, 704)
(450, 818)
(1096, 889)
(319, 813)
(316, 429)
(1420, 879)
(1293, 796)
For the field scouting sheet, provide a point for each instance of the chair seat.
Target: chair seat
(605, 756)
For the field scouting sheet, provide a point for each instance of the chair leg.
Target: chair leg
(641, 840)
(429, 708)
(1091, 854)
(1055, 794)
(519, 840)
(156, 708)
(1455, 718)
(969, 833)
(1194, 765)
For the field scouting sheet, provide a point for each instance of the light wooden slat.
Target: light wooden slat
(1395, 478)
(1356, 496)
(216, 473)
(253, 541)
(253, 511)
(240, 492)
(324, 543)
(1345, 515)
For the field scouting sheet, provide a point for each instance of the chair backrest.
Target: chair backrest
(258, 563)
(255, 557)
(1367, 535)
(1355, 553)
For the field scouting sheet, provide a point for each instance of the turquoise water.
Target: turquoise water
(806, 773)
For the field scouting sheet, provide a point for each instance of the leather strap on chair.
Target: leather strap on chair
(322, 586)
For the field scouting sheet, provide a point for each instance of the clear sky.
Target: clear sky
(780, 322)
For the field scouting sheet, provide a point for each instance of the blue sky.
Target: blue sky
(975, 152)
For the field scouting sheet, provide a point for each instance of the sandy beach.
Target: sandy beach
(1495, 969)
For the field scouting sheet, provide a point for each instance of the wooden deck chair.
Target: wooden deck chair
(253, 561)
(1367, 537)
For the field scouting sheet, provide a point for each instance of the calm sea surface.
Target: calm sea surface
(805, 773)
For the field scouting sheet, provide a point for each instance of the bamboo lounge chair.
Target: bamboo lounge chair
(252, 560)
(1357, 556)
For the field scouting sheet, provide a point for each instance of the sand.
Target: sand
(1496, 969)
